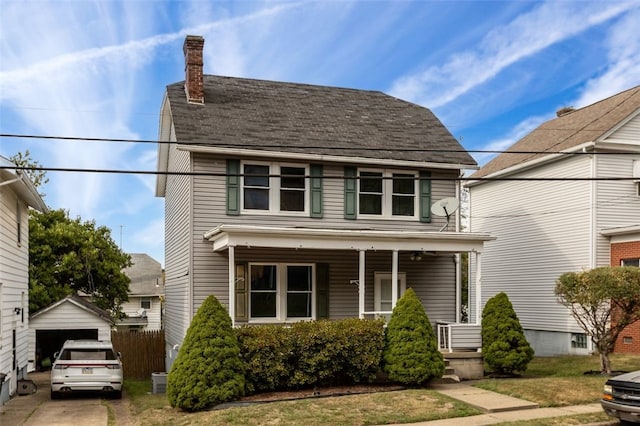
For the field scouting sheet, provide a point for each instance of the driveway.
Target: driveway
(38, 408)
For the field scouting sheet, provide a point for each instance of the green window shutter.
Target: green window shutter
(316, 190)
(350, 193)
(242, 293)
(425, 196)
(233, 187)
(322, 291)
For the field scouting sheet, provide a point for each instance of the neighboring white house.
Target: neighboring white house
(547, 227)
(73, 317)
(17, 195)
(294, 202)
(146, 295)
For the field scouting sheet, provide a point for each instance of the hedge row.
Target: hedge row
(307, 354)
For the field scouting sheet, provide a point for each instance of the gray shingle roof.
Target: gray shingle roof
(145, 274)
(300, 118)
(583, 125)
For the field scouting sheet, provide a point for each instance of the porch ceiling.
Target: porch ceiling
(225, 236)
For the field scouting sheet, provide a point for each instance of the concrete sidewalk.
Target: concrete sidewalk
(501, 408)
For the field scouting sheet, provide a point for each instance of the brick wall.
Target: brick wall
(629, 339)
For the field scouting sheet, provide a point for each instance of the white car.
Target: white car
(86, 365)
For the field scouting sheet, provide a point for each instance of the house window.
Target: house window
(579, 340)
(387, 194)
(382, 296)
(275, 188)
(627, 340)
(630, 262)
(281, 292)
(145, 302)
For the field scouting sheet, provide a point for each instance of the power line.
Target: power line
(306, 146)
(340, 177)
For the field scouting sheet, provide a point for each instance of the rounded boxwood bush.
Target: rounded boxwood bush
(411, 354)
(504, 347)
(208, 369)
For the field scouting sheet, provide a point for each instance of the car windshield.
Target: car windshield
(98, 354)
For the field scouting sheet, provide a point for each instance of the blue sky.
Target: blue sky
(491, 71)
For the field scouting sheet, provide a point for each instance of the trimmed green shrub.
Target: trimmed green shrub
(208, 369)
(411, 354)
(308, 354)
(504, 347)
(266, 350)
(362, 348)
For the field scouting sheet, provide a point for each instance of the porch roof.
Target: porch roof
(225, 236)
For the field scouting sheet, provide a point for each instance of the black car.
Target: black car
(621, 397)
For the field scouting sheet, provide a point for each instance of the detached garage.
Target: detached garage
(70, 318)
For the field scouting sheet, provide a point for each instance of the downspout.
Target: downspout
(456, 256)
(592, 212)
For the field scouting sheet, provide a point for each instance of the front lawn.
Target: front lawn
(560, 381)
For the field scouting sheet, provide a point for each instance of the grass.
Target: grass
(405, 406)
(549, 381)
(560, 381)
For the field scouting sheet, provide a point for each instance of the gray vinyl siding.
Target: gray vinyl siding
(177, 248)
(617, 202)
(629, 133)
(14, 279)
(210, 269)
(543, 229)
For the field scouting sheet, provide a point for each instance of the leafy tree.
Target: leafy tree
(411, 354)
(603, 301)
(504, 345)
(34, 170)
(68, 256)
(208, 369)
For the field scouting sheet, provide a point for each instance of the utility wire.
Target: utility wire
(242, 145)
(341, 177)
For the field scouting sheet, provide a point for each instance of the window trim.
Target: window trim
(377, 282)
(142, 299)
(388, 194)
(281, 293)
(275, 189)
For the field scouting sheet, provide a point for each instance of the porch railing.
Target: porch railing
(459, 337)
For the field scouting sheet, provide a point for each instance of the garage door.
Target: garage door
(49, 342)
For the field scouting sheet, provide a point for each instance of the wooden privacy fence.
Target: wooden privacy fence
(142, 352)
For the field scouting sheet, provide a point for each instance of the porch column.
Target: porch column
(232, 285)
(394, 278)
(361, 287)
(478, 290)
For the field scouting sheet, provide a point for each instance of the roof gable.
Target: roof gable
(80, 303)
(307, 119)
(588, 124)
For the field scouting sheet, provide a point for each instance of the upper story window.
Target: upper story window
(275, 188)
(387, 194)
(145, 302)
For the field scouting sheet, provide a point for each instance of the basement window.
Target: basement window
(630, 262)
(627, 340)
(579, 340)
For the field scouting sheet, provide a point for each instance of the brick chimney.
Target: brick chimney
(194, 80)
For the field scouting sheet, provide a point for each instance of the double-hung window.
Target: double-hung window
(387, 194)
(275, 188)
(281, 292)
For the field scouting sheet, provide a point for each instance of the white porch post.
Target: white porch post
(478, 290)
(232, 285)
(361, 287)
(394, 278)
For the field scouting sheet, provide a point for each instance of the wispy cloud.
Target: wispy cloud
(528, 34)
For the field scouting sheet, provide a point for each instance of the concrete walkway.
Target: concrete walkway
(501, 408)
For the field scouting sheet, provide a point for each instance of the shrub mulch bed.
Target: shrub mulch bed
(319, 392)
